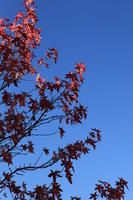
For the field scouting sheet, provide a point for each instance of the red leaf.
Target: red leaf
(30, 147)
(61, 132)
(46, 151)
(57, 80)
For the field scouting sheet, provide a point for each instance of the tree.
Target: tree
(23, 111)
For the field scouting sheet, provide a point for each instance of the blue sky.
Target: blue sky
(100, 34)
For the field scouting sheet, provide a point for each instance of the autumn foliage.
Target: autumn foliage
(23, 111)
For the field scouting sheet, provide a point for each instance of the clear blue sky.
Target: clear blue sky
(100, 34)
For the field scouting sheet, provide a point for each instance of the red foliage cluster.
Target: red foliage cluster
(105, 190)
(22, 112)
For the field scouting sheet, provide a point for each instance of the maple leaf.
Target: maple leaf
(7, 176)
(2, 22)
(20, 15)
(24, 186)
(7, 157)
(80, 68)
(28, 2)
(40, 61)
(57, 80)
(30, 147)
(39, 80)
(61, 132)
(46, 151)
